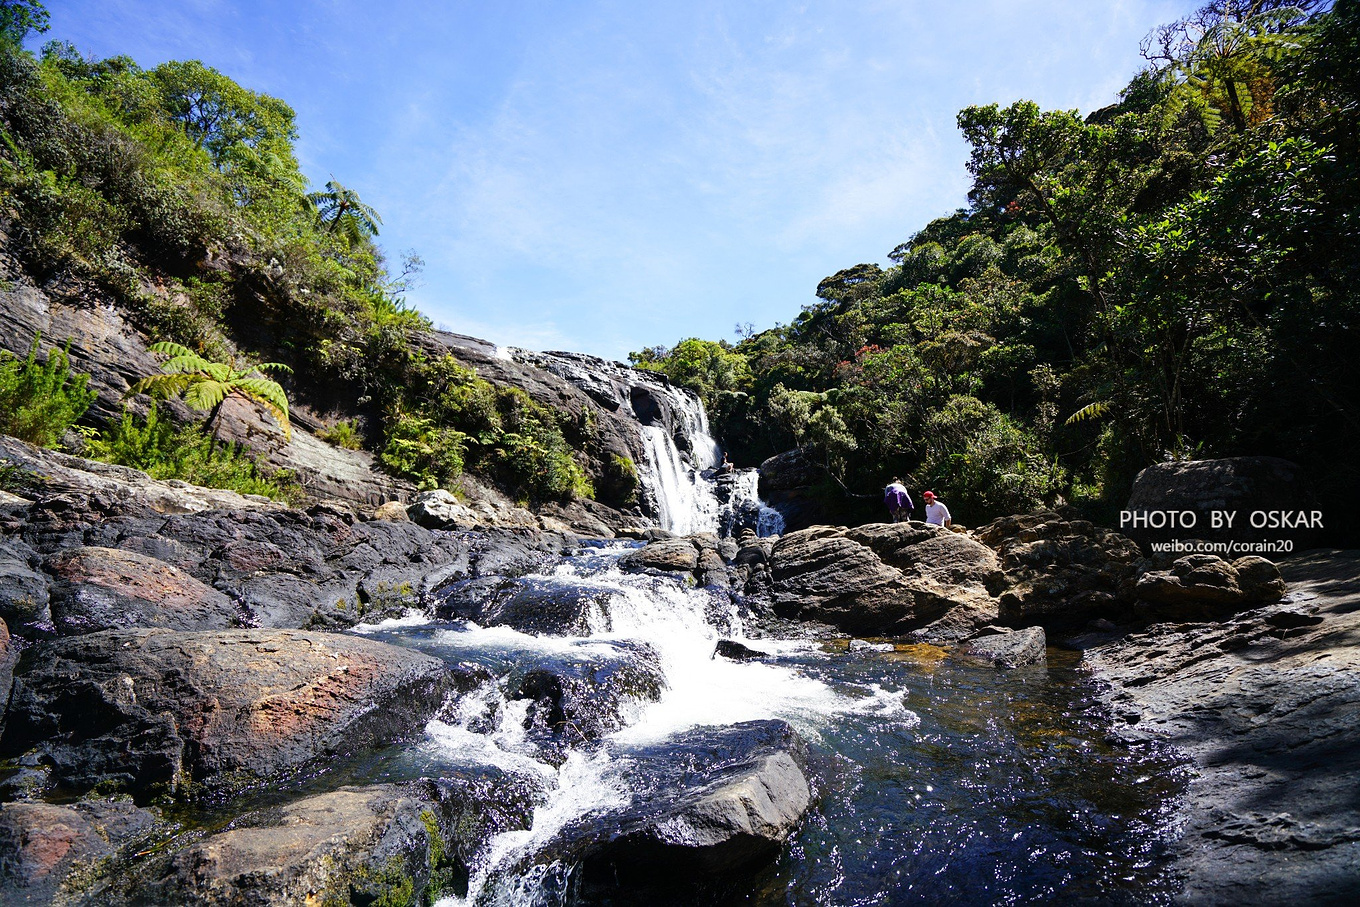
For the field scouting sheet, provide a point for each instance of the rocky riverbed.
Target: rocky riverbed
(213, 699)
(1267, 705)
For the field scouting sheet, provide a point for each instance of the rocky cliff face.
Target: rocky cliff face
(611, 402)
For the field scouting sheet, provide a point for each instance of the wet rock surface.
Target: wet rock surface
(1010, 649)
(24, 588)
(1267, 705)
(710, 802)
(144, 711)
(584, 694)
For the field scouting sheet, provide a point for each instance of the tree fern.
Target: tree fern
(206, 385)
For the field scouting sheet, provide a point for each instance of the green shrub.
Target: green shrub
(162, 450)
(620, 481)
(344, 433)
(429, 454)
(39, 402)
(984, 464)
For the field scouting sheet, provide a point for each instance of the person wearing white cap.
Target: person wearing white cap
(936, 513)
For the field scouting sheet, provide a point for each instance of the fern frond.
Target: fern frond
(1089, 411)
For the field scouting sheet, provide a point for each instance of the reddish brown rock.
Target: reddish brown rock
(106, 588)
(41, 844)
(147, 710)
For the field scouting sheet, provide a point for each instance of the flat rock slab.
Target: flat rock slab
(361, 845)
(147, 710)
(1267, 705)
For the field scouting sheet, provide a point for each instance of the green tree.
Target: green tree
(219, 115)
(19, 17)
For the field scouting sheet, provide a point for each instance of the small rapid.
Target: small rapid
(936, 780)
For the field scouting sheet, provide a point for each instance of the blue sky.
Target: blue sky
(604, 176)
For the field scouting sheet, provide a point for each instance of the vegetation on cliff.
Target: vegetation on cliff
(176, 193)
(1173, 275)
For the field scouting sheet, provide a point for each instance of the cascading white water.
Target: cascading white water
(684, 500)
(744, 501)
(682, 625)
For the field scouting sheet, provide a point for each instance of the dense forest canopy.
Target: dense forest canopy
(1171, 276)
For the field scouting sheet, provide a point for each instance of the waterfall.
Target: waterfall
(744, 509)
(689, 497)
(685, 500)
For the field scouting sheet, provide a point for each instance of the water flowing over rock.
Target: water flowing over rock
(739, 796)
(523, 717)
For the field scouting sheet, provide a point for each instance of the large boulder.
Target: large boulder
(1060, 571)
(1205, 585)
(787, 483)
(148, 710)
(920, 550)
(439, 509)
(358, 845)
(880, 579)
(1243, 486)
(702, 807)
(680, 555)
(105, 589)
(539, 605)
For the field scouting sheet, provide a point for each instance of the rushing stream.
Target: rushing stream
(936, 780)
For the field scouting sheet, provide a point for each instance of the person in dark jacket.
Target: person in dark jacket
(899, 502)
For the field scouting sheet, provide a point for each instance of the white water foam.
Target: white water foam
(683, 625)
